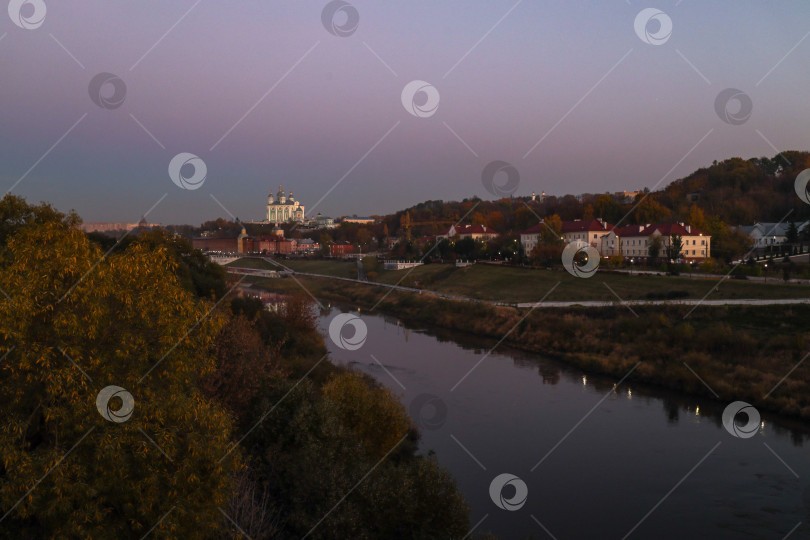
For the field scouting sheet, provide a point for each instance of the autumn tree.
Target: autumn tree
(651, 211)
(355, 395)
(74, 323)
(495, 221)
(243, 363)
(552, 232)
(697, 218)
(607, 208)
(524, 218)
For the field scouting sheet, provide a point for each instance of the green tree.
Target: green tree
(326, 242)
(607, 208)
(654, 249)
(675, 247)
(792, 234)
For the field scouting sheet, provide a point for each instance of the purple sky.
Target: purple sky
(613, 112)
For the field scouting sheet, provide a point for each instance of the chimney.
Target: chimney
(689, 228)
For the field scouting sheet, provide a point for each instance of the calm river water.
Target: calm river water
(597, 460)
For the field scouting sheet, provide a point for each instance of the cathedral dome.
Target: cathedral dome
(283, 208)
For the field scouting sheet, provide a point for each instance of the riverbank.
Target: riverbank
(750, 353)
(515, 285)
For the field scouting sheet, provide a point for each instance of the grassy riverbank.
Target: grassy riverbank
(518, 284)
(749, 353)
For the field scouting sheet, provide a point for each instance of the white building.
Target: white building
(633, 241)
(281, 208)
(764, 235)
(476, 232)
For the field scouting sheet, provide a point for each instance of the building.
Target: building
(634, 241)
(764, 235)
(307, 245)
(531, 237)
(630, 241)
(589, 230)
(341, 249)
(89, 227)
(401, 265)
(626, 197)
(324, 222)
(619, 239)
(541, 198)
(360, 220)
(282, 208)
(220, 245)
(460, 232)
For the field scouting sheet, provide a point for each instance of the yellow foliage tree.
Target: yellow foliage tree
(73, 323)
(373, 413)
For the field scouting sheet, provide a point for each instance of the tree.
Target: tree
(312, 451)
(326, 242)
(405, 223)
(651, 211)
(355, 395)
(654, 249)
(16, 213)
(552, 232)
(792, 234)
(675, 247)
(495, 221)
(196, 272)
(243, 363)
(697, 218)
(74, 323)
(607, 208)
(524, 218)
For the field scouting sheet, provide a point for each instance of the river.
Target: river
(594, 459)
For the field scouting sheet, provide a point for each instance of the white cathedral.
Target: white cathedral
(281, 208)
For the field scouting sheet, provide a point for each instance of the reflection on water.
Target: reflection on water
(596, 457)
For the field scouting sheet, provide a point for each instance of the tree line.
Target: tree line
(239, 421)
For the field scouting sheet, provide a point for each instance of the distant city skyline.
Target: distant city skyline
(367, 108)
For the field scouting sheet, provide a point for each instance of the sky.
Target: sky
(269, 93)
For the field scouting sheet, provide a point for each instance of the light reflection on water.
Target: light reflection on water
(610, 453)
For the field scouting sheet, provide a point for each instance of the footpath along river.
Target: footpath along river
(595, 459)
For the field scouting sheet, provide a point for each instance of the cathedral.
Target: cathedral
(281, 208)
